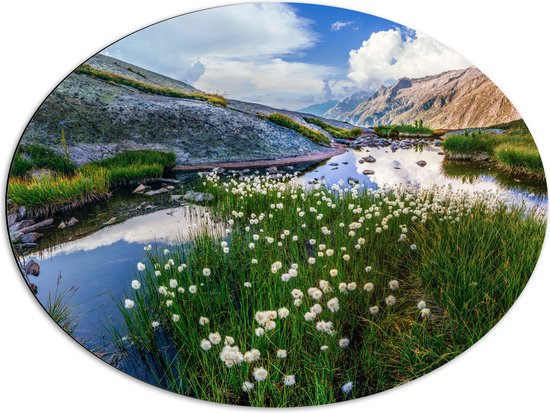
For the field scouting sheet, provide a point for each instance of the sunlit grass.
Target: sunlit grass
(287, 122)
(336, 132)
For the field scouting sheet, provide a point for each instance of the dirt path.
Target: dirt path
(293, 160)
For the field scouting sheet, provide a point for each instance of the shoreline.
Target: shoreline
(337, 149)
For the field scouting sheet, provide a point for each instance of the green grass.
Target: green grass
(337, 132)
(90, 182)
(391, 131)
(285, 121)
(149, 88)
(35, 156)
(472, 259)
(514, 152)
(59, 309)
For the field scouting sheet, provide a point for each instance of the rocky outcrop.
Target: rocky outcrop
(101, 118)
(450, 100)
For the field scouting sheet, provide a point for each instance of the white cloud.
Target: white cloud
(338, 25)
(389, 55)
(239, 50)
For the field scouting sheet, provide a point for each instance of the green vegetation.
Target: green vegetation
(514, 151)
(393, 131)
(283, 120)
(444, 268)
(148, 88)
(88, 183)
(34, 156)
(335, 131)
(59, 309)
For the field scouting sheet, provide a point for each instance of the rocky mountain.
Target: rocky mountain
(101, 117)
(348, 104)
(454, 99)
(319, 108)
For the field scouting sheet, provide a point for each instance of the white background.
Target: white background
(41, 368)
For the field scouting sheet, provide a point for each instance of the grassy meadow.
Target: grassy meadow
(317, 295)
(341, 133)
(65, 186)
(287, 122)
(514, 151)
(394, 131)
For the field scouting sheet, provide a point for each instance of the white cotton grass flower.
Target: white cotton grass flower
(140, 266)
(206, 272)
(374, 309)
(311, 260)
(316, 308)
(166, 251)
(343, 288)
(333, 272)
(252, 355)
(254, 261)
(175, 318)
(343, 342)
(368, 287)
(333, 304)
(247, 386)
(289, 380)
(281, 354)
(192, 289)
(296, 294)
(390, 300)
(136, 285)
(310, 316)
(298, 302)
(247, 284)
(413, 247)
(351, 286)
(293, 272)
(315, 293)
(270, 325)
(228, 341)
(393, 284)
(129, 304)
(324, 348)
(348, 387)
(368, 268)
(421, 304)
(325, 286)
(215, 338)
(260, 374)
(180, 268)
(346, 257)
(181, 290)
(173, 283)
(155, 324)
(259, 332)
(325, 327)
(285, 277)
(206, 344)
(283, 312)
(231, 356)
(203, 321)
(169, 303)
(157, 273)
(425, 312)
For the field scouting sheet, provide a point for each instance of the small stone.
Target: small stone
(369, 159)
(421, 163)
(32, 268)
(175, 198)
(140, 189)
(333, 164)
(21, 212)
(62, 225)
(110, 221)
(156, 192)
(30, 237)
(72, 222)
(33, 288)
(368, 172)
(198, 197)
(352, 180)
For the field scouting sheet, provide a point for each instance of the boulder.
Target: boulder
(30, 238)
(18, 226)
(198, 197)
(168, 180)
(32, 268)
(110, 221)
(21, 212)
(38, 225)
(12, 219)
(421, 163)
(72, 222)
(140, 189)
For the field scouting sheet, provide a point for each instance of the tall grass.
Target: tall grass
(285, 121)
(35, 156)
(335, 131)
(467, 257)
(520, 158)
(392, 131)
(59, 309)
(149, 88)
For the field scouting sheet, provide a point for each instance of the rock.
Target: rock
(198, 197)
(421, 163)
(21, 212)
(30, 237)
(21, 224)
(441, 153)
(175, 198)
(245, 171)
(396, 165)
(272, 169)
(32, 268)
(361, 160)
(62, 225)
(148, 207)
(33, 288)
(368, 172)
(38, 225)
(140, 189)
(9, 203)
(110, 221)
(352, 180)
(345, 163)
(369, 159)
(168, 180)
(333, 164)
(72, 222)
(156, 192)
(169, 187)
(12, 219)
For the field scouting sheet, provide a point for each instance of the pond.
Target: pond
(98, 256)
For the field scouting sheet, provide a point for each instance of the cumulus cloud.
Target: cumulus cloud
(239, 50)
(338, 25)
(391, 54)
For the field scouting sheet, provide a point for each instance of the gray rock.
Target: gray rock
(72, 222)
(198, 197)
(352, 180)
(21, 212)
(12, 219)
(333, 164)
(21, 224)
(369, 159)
(30, 238)
(148, 207)
(62, 225)
(175, 198)
(33, 288)
(32, 268)
(168, 180)
(368, 172)
(361, 160)
(38, 225)
(140, 189)
(396, 165)
(112, 220)
(156, 192)
(421, 163)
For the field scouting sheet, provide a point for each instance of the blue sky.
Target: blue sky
(284, 54)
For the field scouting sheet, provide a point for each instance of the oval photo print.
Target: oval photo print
(276, 204)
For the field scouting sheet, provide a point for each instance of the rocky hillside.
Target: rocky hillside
(101, 117)
(454, 99)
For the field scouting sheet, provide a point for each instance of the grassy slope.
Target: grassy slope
(336, 132)
(285, 121)
(473, 259)
(395, 130)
